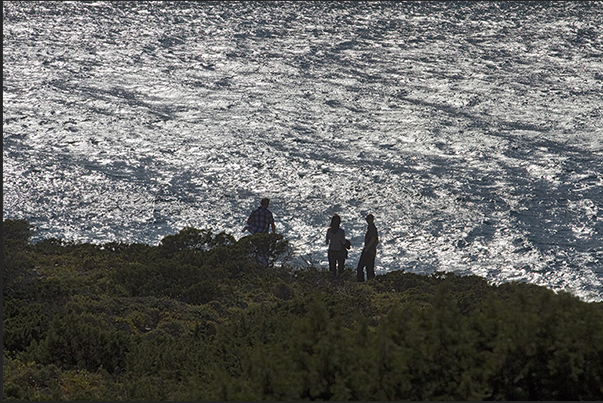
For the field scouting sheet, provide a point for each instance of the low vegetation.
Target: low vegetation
(202, 316)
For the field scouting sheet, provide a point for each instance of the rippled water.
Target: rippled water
(472, 130)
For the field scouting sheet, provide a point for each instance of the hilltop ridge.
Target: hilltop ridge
(200, 317)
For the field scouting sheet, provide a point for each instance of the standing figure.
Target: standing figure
(261, 219)
(367, 257)
(336, 240)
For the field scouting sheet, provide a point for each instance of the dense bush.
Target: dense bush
(16, 260)
(202, 316)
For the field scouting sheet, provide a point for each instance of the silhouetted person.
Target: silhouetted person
(260, 220)
(336, 241)
(367, 257)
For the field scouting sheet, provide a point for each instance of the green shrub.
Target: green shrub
(80, 342)
(23, 323)
(265, 249)
(16, 230)
(17, 263)
(192, 239)
(202, 317)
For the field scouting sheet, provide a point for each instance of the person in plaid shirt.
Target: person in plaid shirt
(261, 219)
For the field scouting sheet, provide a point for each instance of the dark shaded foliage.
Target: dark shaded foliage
(16, 230)
(265, 249)
(16, 261)
(80, 342)
(205, 317)
(191, 239)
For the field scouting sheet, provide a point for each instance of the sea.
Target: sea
(473, 131)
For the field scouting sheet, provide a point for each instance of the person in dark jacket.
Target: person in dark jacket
(367, 257)
(336, 241)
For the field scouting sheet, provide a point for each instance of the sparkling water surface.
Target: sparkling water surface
(473, 131)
